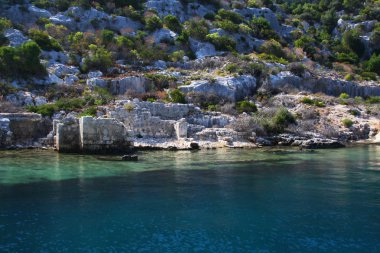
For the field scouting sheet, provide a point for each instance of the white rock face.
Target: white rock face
(70, 79)
(16, 38)
(202, 49)
(230, 88)
(119, 86)
(54, 57)
(196, 9)
(23, 98)
(17, 14)
(166, 7)
(55, 79)
(164, 35)
(79, 19)
(94, 74)
(62, 70)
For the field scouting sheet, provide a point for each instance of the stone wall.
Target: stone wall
(90, 135)
(97, 135)
(25, 128)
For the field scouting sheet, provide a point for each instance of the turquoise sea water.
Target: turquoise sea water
(206, 201)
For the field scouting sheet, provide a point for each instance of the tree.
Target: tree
(172, 23)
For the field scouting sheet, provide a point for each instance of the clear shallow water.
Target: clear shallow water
(208, 201)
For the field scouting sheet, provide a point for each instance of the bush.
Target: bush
(368, 76)
(347, 123)
(161, 81)
(5, 24)
(227, 25)
(230, 16)
(262, 29)
(44, 110)
(272, 47)
(223, 43)
(297, 69)
(98, 59)
(177, 96)
(351, 40)
(70, 104)
(246, 106)
(90, 111)
(197, 29)
(373, 64)
(153, 23)
(344, 96)
(373, 100)
(21, 62)
(44, 41)
(314, 102)
(172, 23)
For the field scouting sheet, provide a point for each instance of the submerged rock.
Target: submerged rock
(131, 158)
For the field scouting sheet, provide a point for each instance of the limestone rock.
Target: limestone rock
(202, 49)
(229, 88)
(16, 38)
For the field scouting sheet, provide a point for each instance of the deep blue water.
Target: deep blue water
(207, 201)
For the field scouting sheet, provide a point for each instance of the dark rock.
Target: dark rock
(194, 145)
(172, 148)
(132, 158)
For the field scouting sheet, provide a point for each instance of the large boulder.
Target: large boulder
(122, 85)
(229, 88)
(164, 35)
(15, 37)
(202, 49)
(26, 15)
(62, 70)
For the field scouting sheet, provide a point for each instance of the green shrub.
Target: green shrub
(44, 41)
(349, 77)
(22, 61)
(344, 96)
(349, 57)
(90, 111)
(177, 96)
(172, 23)
(5, 24)
(197, 29)
(223, 43)
(246, 106)
(177, 56)
(261, 28)
(274, 124)
(230, 16)
(347, 123)
(314, 102)
(354, 112)
(373, 100)
(161, 81)
(44, 110)
(98, 59)
(369, 76)
(227, 25)
(373, 64)
(70, 104)
(297, 69)
(273, 47)
(153, 23)
(272, 58)
(351, 40)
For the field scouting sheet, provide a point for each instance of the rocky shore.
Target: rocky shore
(133, 124)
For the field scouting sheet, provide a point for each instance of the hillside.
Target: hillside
(318, 60)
